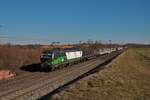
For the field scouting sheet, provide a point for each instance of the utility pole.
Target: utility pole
(110, 44)
(54, 43)
(0, 28)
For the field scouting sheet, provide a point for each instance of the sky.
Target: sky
(69, 21)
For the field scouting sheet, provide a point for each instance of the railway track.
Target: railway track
(36, 85)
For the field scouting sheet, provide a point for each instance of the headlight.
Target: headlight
(41, 56)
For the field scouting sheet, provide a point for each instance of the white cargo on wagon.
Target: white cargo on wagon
(73, 54)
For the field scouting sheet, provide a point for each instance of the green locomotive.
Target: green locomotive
(51, 59)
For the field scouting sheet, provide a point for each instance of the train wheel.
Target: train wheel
(66, 65)
(42, 67)
(52, 68)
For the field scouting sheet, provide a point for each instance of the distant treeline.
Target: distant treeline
(132, 45)
(88, 44)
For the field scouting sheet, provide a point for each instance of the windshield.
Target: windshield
(46, 54)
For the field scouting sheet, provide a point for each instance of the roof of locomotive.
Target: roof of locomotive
(47, 51)
(71, 49)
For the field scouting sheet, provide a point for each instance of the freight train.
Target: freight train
(57, 58)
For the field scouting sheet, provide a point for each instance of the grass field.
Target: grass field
(126, 78)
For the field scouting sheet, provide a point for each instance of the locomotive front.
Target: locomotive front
(46, 59)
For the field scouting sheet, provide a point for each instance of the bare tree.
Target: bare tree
(89, 41)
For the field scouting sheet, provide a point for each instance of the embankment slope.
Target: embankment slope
(125, 78)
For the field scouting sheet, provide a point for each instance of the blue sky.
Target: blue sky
(43, 21)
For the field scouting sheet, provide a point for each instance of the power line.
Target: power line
(22, 38)
(26, 40)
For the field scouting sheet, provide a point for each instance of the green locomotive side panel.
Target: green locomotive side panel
(58, 60)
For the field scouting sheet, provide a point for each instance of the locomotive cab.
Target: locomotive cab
(52, 58)
(46, 56)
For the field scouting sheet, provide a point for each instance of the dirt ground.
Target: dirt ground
(126, 78)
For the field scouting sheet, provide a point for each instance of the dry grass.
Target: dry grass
(126, 78)
(13, 57)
